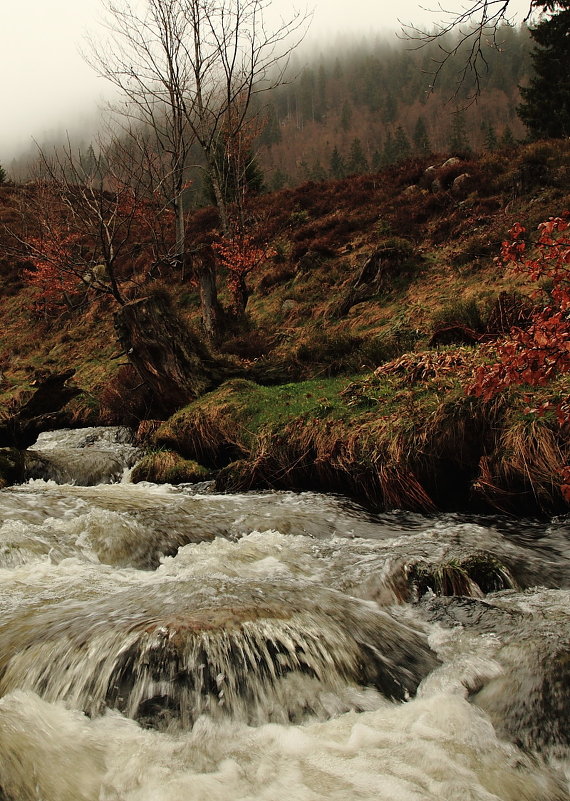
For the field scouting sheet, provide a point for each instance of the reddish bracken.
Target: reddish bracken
(539, 353)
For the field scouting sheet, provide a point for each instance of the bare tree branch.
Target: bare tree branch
(463, 37)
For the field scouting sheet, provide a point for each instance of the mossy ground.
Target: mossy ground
(386, 440)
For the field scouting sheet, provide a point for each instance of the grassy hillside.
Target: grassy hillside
(365, 269)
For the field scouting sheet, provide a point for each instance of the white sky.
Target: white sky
(46, 87)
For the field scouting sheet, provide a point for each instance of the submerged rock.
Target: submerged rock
(256, 652)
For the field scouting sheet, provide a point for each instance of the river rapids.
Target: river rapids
(163, 643)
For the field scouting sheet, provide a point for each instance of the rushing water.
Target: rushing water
(170, 644)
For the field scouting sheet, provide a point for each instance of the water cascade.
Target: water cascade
(170, 643)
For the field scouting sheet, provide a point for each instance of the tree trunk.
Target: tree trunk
(210, 308)
(170, 359)
(221, 204)
(180, 234)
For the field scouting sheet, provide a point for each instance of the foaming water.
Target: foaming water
(166, 643)
(427, 750)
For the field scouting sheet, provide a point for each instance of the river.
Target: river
(163, 643)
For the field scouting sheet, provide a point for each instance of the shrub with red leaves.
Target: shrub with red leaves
(535, 355)
(240, 255)
(54, 273)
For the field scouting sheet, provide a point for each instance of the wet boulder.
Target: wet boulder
(11, 467)
(256, 651)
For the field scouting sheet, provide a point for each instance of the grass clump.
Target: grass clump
(168, 467)
(381, 439)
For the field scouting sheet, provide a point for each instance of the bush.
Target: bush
(460, 312)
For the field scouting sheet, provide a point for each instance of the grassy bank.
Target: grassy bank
(386, 440)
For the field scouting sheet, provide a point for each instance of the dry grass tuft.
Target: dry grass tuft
(524, 469)
(430, 364)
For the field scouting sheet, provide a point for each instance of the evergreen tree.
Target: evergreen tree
(2, 174)
(337, 166)
(89, 162)
(507, 139)
(402, 149)
(458, 141)
(346, 116)
(237, 177)
(421, 139)
(376, 161)
(321, 94)
(317, 172)
(278, 180)
(545, 109)
(491, 141)
(357, 161)
(271, 133)
(389, 108)
(389, 152)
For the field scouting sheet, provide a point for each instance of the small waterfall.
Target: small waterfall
(84, 456)
(253, 652)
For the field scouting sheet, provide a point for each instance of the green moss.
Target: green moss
(167, 467)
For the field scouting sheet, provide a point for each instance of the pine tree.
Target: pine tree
(278, 180)
(376, 161)
(357, 161)
(2, 174)
(389, 108)
(271, 133)
(507, 139)
(402, 149)
(421, 139)
(337, 166)
(317, 172)
(389, 153)
(545, 109)
(458, 142)
(89, 162)
(346, 116)
(491, 141)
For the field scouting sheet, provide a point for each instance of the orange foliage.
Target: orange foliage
(240, 256)
(54, 274)
(536, 355)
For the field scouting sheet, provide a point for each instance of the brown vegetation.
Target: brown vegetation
(365, 270)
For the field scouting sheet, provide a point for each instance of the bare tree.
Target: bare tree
(234, 57)
(467, 34)
(189, 70)
(145, 58)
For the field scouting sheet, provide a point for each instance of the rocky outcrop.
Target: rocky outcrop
(42, 411)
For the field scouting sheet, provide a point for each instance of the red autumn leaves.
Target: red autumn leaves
(535, 355)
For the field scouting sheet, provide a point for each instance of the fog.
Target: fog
(48, 89)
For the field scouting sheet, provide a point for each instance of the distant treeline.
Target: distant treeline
(372, 103)
(361, 106)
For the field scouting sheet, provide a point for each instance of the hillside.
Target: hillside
(375, 102)
(364, 270)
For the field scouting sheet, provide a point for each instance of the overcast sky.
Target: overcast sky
(47, 88)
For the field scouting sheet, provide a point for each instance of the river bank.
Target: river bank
(407, 436)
